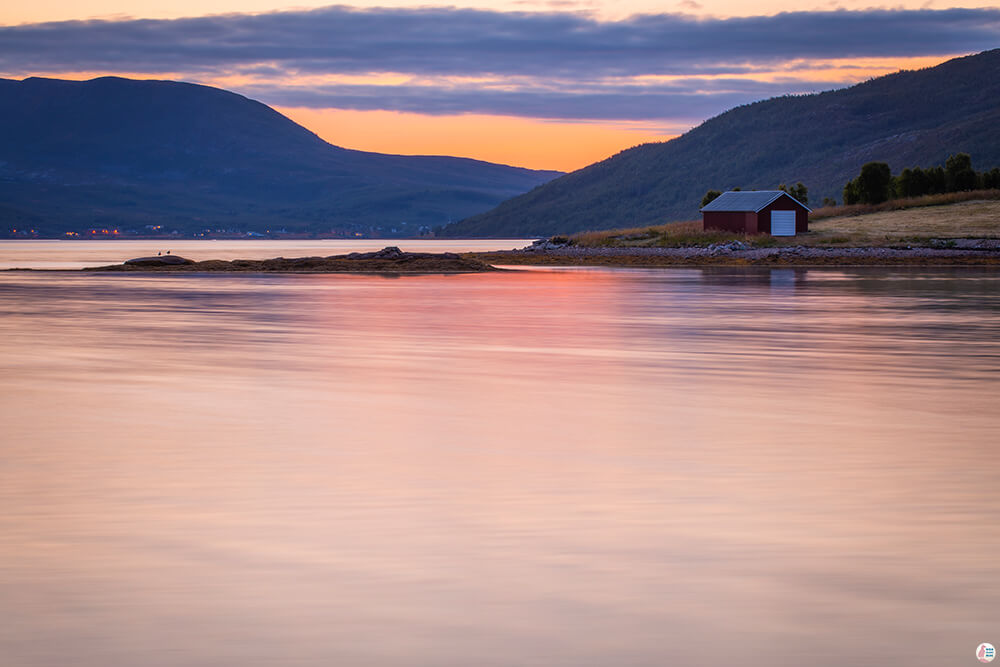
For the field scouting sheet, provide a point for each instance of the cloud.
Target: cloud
(471, 41)
(569, 63)
(691, 99)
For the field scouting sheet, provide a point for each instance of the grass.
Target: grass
(918, 221)
(671, 235)
(901, 204)
(918, 225)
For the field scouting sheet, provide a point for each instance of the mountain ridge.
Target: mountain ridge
(127, 152)
(909, 118)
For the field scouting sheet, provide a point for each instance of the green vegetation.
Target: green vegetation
(799, 191)
(709, 197)
(822, 140)
(876, 183)
(872, 186)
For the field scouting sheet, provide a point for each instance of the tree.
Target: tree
(799, 191)
(991, 179)
(912, 183)
(937, 181)
(959, 172)
(921, 182)
(829, 201)
(851, 195)
(709, 197)
(873, 183)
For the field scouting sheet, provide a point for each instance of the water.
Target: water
(66, 254)
(548, 467)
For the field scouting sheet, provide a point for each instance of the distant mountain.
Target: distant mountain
(906, 119)
(125, 153)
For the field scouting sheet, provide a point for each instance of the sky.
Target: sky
(546, 84)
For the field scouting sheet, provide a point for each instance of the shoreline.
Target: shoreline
(733, 255)
(391, 260)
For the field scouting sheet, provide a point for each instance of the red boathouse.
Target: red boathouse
(773, 212)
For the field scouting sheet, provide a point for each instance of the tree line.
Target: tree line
(876, 184)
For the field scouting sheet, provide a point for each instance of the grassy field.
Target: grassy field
(900, 222)
(968, 219)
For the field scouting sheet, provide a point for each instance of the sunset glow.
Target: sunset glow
(515, 83)
(524, 142)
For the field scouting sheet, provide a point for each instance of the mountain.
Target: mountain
(911, 118)
(126, 153)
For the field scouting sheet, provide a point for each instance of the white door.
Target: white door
(782, 223)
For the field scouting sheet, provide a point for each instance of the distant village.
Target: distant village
(402, 230)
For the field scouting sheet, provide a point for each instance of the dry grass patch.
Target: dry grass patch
(899, 204)
(967, 219)
(672, 235)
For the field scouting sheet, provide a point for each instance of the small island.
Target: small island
(387, 260)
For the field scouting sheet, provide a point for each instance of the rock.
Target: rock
(726, 248)
(389, 252)
(159, 260)
(554, 243)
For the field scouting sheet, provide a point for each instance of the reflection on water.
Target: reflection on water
(65, 254)
(548, 467)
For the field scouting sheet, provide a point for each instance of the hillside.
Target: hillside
(126, 153)
(906, 119)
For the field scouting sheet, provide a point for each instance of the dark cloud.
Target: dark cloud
(470, 42)
(688, 99)
(534, 49)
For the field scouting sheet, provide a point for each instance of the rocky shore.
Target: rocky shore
(387, 260)
(973, 252)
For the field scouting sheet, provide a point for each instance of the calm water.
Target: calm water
(548, 467)
(58, 254)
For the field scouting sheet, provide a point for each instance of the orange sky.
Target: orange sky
(540, 143)
(523, 142)
(536, 143)
(529, 142)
